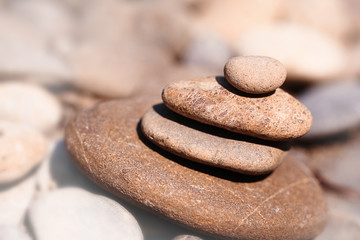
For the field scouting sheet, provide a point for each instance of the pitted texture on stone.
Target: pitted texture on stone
(108, 147)
(255, 74)
(277, 116)
(211, 145)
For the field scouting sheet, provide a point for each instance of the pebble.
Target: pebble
(72, 213)
(232, 19)
(24, 51)
(186, 237)
(335, 18)
(15, 198)
(255, 74)
(308, 55)
(29, 104)
(335, 107)
(343, 220)
(106, 144)
(207, 50)
(9, 232)
(343, 168)
(211, 145)
(211, 100)
(21, 149)
(118, 70)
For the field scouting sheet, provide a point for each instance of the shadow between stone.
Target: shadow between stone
(165, 112)
(199, 167)
(225, 84)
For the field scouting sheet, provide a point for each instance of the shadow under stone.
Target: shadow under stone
(199, 167)
(225, 84)
(165, 112)
(65, 173)
(14, 183)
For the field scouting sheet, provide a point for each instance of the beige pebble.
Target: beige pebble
(21, 149)
(29, 104)
(255, 74)
(307, 54)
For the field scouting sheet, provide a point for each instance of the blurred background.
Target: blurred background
(58, 57)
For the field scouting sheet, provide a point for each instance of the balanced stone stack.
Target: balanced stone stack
(224, 171)
(255, 110)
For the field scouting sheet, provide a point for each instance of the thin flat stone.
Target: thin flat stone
(276, 116)
(107, 145)
(255, 74)
(211, 145)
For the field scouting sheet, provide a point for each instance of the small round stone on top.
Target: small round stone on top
(255, 74)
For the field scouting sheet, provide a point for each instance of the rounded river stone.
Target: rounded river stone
(211, 145)
(255, 74)
(275, 116)
(107, 145)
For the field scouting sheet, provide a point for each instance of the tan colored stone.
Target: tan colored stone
(113, 57)
(233, 18)
(106, 144)
(211, 145)
(212, 100)
(29, 104)
(329, 16)
(307, 54)
(25, 51)
(21, 149)
(255, 74)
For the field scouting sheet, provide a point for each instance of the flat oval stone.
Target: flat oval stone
(211, 145)
(255, 74)
(72, 213)
(107, 145)
(277, 116)
(30, 104)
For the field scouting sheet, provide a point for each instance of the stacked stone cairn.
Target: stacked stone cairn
(232, 179)
(242, 122)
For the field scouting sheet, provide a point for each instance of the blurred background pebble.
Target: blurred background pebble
(58, 57)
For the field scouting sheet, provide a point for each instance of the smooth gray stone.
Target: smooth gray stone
(72, 213)
(15, 199)
(12, 232)
(335, 108)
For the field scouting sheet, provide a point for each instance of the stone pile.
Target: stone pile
(264, 115)
(266, 195)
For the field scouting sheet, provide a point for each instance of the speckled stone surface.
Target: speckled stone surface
(107, 145)
(212, 100)
(255, 74)
(211, 145)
